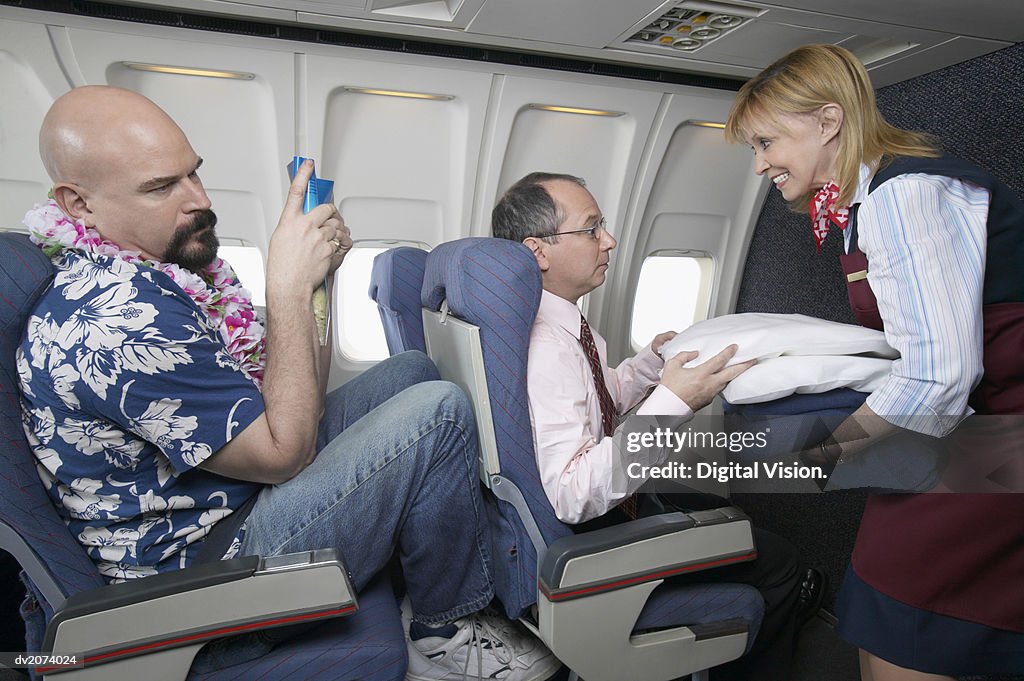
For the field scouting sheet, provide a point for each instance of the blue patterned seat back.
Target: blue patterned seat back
(496, 285)
(35, 533)
(395, 282)
(25, 273)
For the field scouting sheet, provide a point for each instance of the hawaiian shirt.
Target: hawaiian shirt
(126, 389)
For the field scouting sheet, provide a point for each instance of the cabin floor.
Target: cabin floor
(822, 655)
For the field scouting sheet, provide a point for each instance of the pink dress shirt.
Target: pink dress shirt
(575, 461)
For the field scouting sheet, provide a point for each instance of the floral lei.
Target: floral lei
(215, 290)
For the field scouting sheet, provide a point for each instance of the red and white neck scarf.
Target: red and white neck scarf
(823, 210)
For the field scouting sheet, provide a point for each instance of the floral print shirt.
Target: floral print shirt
(126, 389)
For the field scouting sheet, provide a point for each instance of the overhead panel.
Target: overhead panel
(393, 159)
(401, 142)
(591, 130)
(563, 139)
(691, 202)
(688, 26)
(753, 36)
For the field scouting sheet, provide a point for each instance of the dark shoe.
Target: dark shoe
(813, 586)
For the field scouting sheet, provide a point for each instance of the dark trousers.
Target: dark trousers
(776, 573)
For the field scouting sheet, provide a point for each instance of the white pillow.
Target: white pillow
(762, 336)
(771, 379)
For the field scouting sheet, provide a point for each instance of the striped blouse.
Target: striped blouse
(925, 239)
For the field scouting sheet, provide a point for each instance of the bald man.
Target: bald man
(169, 429)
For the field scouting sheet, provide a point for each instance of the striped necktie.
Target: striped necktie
(629, 504)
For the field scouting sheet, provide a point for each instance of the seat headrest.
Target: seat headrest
(25, 272)
(474, 272)
(394, 272)
(395, 282)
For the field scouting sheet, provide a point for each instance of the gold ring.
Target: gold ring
(337, 244)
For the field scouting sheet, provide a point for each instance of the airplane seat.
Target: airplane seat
(395, 282)
(153, 628)
(601, 602)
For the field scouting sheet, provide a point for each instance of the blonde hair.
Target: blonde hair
(810, 77)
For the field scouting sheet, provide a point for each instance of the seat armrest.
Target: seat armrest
(139, 590)
(644, 550)
(594, 586)
(200, 603)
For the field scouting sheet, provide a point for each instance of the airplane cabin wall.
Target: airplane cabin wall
(416, 170)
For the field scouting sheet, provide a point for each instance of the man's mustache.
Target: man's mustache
(202, 220)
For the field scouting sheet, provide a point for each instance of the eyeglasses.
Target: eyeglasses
(595, 231)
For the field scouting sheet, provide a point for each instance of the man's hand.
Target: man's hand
(301, 252)
(340, 237)
(697, 386)
(661, 339)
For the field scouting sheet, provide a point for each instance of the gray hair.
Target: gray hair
(526, 209)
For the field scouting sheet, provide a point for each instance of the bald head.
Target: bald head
(92, 127)
(121, 166)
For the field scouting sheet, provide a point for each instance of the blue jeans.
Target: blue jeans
(397, 468)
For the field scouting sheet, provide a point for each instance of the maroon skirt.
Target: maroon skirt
(960, 555)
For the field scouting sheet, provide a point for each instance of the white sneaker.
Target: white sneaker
(483, 647)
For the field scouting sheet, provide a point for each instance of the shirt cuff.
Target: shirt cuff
(664, 402)
(923, 419)
(649, 357)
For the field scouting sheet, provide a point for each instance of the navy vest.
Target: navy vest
(956, 554)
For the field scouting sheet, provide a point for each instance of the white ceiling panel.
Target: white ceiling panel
(924, 35)
(757, 44)
(997, 19)
(587, 23)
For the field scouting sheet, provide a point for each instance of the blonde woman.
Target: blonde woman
(934, 247)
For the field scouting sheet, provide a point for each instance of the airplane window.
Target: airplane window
(673, 292)
(247, 261)
(360, 332)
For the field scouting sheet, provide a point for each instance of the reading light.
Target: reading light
(399, 93)
(188, 71)
(686, 44)
(705, 33)
(576, 110)
(725, 21)
(707, 124)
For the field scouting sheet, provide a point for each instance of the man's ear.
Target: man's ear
(830, 121)
(72, 200)
(539, 250)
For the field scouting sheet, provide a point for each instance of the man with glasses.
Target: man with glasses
(576, 401)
